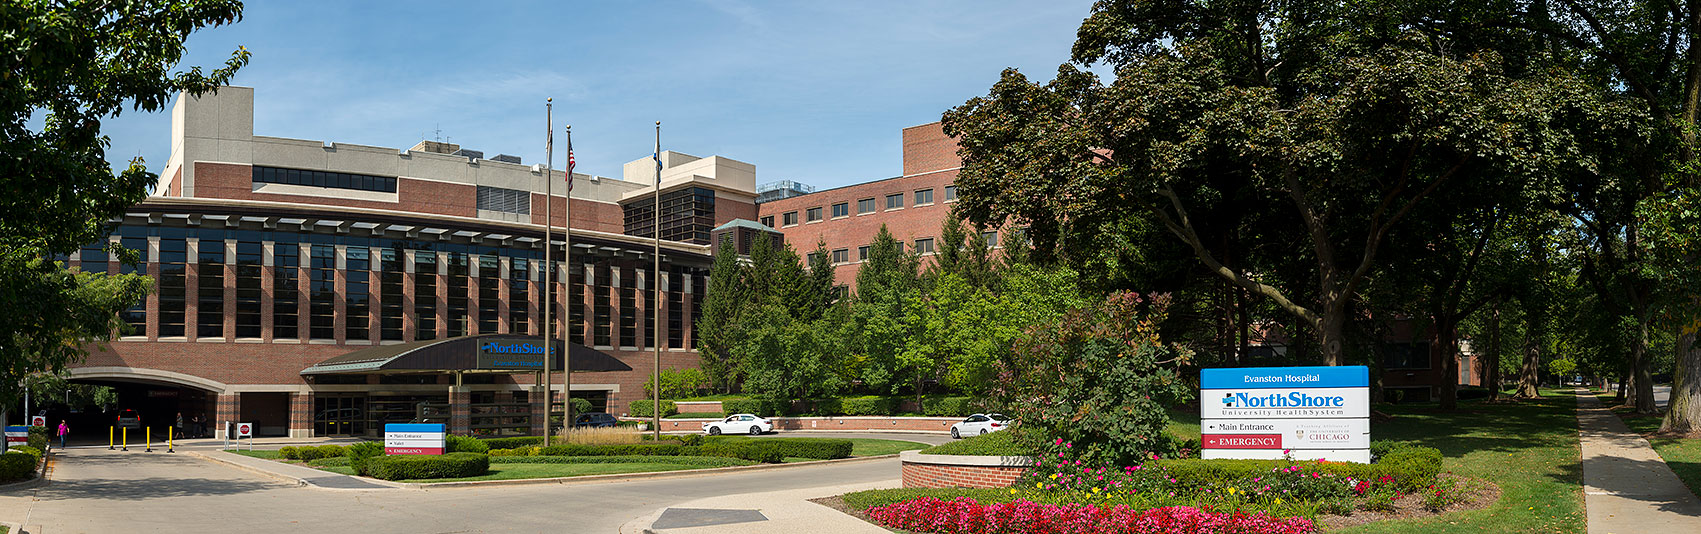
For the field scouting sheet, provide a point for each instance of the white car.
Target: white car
(978, 424)
(739, 424)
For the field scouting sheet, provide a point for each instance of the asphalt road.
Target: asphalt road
(93, 490)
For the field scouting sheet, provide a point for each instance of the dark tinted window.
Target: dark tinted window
(338, 180)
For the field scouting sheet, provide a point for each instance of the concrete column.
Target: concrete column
(535, 396)
(228, 408)
(473, 309)
(191, 288)
(504, 318)
(460, 410)
(268, 289)
(410, 317)
(229, 289)
(153, 296)
(301, 415)
(341, 289)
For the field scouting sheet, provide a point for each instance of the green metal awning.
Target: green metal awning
(487, 352)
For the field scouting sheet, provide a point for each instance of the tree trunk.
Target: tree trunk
(1642, 381)
(1332, 336)
(1448, 344)
(1623, 381)
(1683, 412)
(1530, 375)
(5, 416)
(1492, 366)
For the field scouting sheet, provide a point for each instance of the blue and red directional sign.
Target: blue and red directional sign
(1304, 413)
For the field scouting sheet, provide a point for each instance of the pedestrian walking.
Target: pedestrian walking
(178, 427)
(64, 430)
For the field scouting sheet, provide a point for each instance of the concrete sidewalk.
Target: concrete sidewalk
(776, 512)
(1627, 487)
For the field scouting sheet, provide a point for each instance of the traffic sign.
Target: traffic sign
(245, 430)
(38, 420)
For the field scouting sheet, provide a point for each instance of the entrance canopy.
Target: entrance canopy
(489, 352)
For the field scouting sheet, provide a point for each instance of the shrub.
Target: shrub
(632, 449)
(755, 450)
(690, 439)
(964, 516)
(513, 443)
(453, 443)
(1002, 443)
(331, 451)
(645, 408)
(823, 406)
(704, 461)
(19, 462)
(288, 453)
(333, 461)
(1098, 379)
(762, 407)
(305, 454)
(947, 406)
(869, 405)
(38, 437)
(814, 448)
(452, 465)
(360, 453)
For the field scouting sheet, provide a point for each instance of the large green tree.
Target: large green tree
(72, 64)
(1331, 122)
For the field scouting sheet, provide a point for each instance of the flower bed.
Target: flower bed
(965, 516)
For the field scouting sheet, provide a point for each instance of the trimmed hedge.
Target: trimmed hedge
(697, 415)
(19, 463)
(761, 407)
(1001, 443)
(335, 461)
(1411, 467)
(869, 405)
(947, 406)
(645, 408)
(452, 465)
(756, 450)
(705, 461)
(38, 437)
(517, 451)
(753, 450)
(513, 443)
(624, 449)
(454, 443)
(308, 453)
(814, 448)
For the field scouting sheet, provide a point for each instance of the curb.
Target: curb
(39, 478)
(688, 473)
(271, 474)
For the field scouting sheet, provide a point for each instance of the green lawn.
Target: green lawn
(268, 455)
(879, 447)
(1184, 424)
(1683, 455)
(1528, 448)
(518, 471)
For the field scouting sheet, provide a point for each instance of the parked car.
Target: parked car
(128, 418)
(594, 420)
(978, 424)
(739, 424)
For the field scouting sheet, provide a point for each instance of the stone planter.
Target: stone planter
(952, 471)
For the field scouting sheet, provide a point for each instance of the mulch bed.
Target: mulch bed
(1482, 494)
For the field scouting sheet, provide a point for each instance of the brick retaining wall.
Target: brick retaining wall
(949, 471)
(940, 425)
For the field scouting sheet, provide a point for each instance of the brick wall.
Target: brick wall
(906, 224)
(927, 149)
(941, 425)
(959, 476)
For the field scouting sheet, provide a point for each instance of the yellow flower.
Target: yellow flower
(1231, 491)
(1038, 485)
(1095, 490)
(1054, 476)
(1278, 500)
(1012, 491)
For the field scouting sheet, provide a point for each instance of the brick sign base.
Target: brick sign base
(950, 471)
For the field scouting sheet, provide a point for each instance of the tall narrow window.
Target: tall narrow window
(286, 286)
(136, 241)
(457, 282)
(519, 296)
(390, 309)
(698, 283)
(173, 259)
(248, 292)
(676, 309)
(489, 294)
(425, 294)
(322, 292)
(210, 272)
(628, 308)
(647, 291)
(575, 304)
(358, 311)
(601, 321)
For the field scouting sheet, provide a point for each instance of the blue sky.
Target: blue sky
(809, 91)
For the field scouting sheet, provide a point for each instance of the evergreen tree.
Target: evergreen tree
(886, 287)
(719, 329)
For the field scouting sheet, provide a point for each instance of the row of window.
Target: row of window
(894, 201)
(922, 246)
(338, 180)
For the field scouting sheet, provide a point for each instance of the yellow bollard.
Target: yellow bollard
(109, 438)
(124, 434)
(168, 444)
(148, 438)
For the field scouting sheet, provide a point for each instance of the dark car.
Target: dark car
(594, 420)
(129, 419)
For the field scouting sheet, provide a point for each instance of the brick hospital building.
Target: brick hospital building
(320, 288)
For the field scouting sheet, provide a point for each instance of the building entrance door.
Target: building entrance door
(339, 416)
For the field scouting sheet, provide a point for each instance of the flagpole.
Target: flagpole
(567, 261)
(548, 255)
(655, 285)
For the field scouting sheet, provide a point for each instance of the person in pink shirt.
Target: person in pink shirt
(64, 430)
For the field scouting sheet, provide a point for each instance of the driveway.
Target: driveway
(93, 490)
